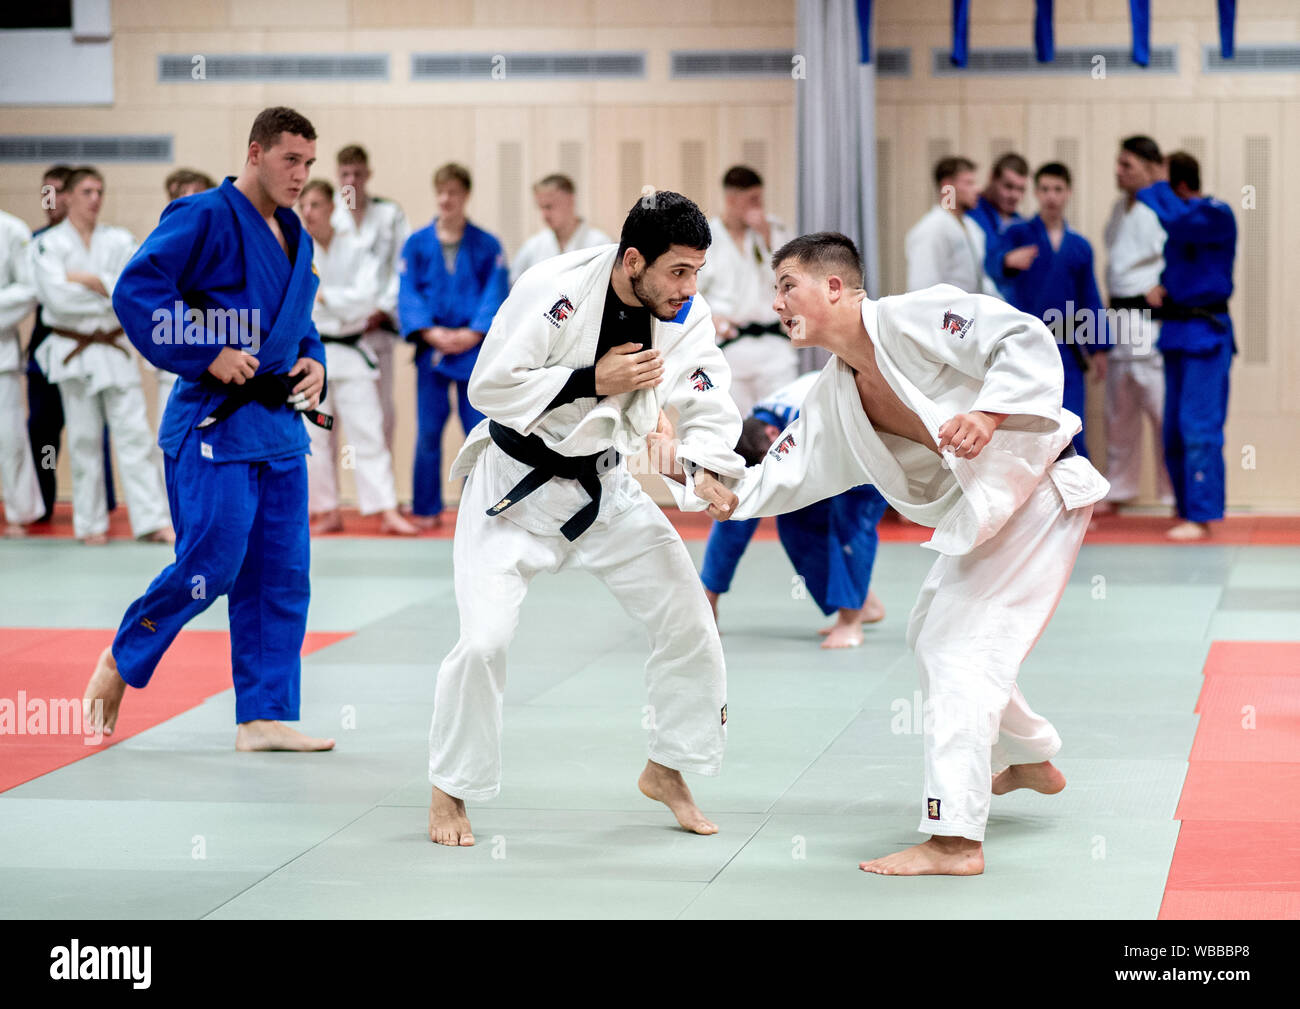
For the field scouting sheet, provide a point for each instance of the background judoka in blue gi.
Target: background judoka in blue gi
(237, 488)
(1196, 335)
(445, 310)
(832, 544)
(996, 209)
(1056, 283)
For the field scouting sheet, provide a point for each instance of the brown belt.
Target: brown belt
(85, 340)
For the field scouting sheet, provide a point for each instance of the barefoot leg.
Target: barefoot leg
(939, 856)
(667, 786)
(448, 821)
(846, 632)
(103, 697)
(264, 735)
(1042, 777)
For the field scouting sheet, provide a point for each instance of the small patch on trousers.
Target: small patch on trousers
(724, 714)
(205, 450)
(932, 808)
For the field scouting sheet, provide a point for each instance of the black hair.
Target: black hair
(1185, 169)
(741, 177)
(754, 441)
(1054, 169)
(1142, 146)
(662, 219)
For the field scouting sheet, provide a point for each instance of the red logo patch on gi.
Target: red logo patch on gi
(782, 447)
(560, 311)
(932, 808)
(724, 714)
(700, 380)
(954, 323)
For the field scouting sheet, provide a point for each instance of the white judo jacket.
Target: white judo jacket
(943, 352)
(352, 286)
(17, 292)
(550, 325)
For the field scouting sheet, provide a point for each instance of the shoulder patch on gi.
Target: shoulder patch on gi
(932, 808)
(560, 311)
(700, 380)
(954, 323)
(782, 448)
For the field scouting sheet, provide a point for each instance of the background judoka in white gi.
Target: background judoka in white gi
(527, 357)
(102, 382)
(22, 492)
(1135, 380)
(946, 246)
(1008, 518)
(738, 284)
(565, 231)
(352, 284)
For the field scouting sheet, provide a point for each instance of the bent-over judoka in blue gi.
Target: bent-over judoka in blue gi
(237, 488)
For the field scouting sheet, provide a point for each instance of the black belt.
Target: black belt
(547, 464)
(756, 329)
(1069, 452)
(269, 390)
(1171, 310)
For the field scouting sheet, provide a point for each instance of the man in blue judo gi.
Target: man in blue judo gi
(1048, 269)
(997, 208)
(220, 293)
(453, 280)
(1196, 339)
(832, 544)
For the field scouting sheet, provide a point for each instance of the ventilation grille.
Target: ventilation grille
(570, 158)
(510, 161)
(530, 66)
(754, 154)
(1253, 59)
(732, 63)
(692, 169)
(885, 211)
(893, 62)
(1072, 61)
(999, 146)
(242, 68)
(1196, 147)
(86, 149)
(631, 171)
(1253, 336)
(1066, 150)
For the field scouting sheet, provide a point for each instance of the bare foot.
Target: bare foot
(163, 535)
(95, 539)
(103, 695)
(392, 522)
(327, 522)
(448, 821)
(712, 597)
(846, 632)
(939, 856)
(873, 610)
(1042, 777)
(1189, 531)
(426, 522)
(13, 531)
(666, 785)
(264, 734)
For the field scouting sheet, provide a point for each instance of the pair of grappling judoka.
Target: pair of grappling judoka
(948, 403)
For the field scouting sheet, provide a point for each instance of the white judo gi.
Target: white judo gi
(738, 282)
(383, 232)
(548, 326)
(100, 384)
(941, 249)
(544, 245)
(1007, 524)
(22, 493)
(352, 282)
(1135, 379)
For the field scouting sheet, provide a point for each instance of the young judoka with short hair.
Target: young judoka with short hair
(585, 351)
(950, 404)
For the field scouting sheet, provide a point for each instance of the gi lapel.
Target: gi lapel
(296, 307)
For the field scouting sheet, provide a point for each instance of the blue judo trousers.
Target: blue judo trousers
(431, 295)
(1197, 346)
(237, 488)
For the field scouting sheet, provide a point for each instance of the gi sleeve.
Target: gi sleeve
(997, 248)
(54, 289)
(359, 298)
(495, 288)
(1089, 297)
(414, 308)
(401, 231)
(175, 257)
(18, 295)
(123, 249)
(1196, 220)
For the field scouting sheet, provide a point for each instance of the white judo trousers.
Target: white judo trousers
(85, 413)
(381, 344)
(974, 622)
(641, 559)
(22, 492)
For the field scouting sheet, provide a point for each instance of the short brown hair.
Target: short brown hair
(83, 172)
(825, 252)
(320, 184)
(353, 154)
(182, 177)
(556, 181)
(1184, 168)
(741, 177)
(270, 123)
(59, 173)
(1010, 162)
(946, 168)
(452, 172)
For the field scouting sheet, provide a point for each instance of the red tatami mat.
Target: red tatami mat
(1236, 530)
(44, 667)
(1238, 850)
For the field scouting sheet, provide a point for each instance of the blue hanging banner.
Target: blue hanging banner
(960, 31)
(1227, 28)
(1044, 36)
(1141, 10)
(864, 31)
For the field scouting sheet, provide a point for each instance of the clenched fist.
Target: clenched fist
(233, 366)
(722, 502)
(968, 433)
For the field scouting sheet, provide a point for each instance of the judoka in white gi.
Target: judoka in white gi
(351, 283)
(950, 404)
(382, 229)
(738, 284)
(22, 492)
(75, 265)
(567, 387)
(947, 245)
(1135, 380)
(565, 231)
